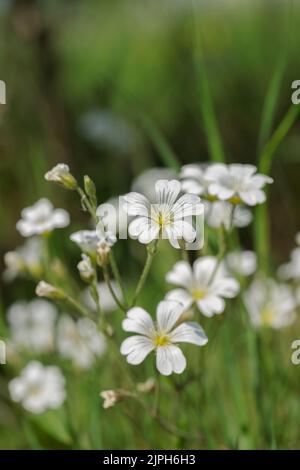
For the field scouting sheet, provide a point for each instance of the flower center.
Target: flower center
(235, 200)
(211, 198)
(267, 316)
(163, 219)
(161, 340)
(199, 294)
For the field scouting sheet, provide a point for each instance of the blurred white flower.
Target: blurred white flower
(167, 217)
(61, 175)
(32, 325)
(161, 337)
(206, 284)
(41, 218)
(219, 213)
(145, 182)
(25, 259)
(243, 263)
(80, 341)
(86, 269)
(194, 179)
(38, 388)
(291, 270)
(237, 183)
(270, 303)
(87, 240)
(107, 301)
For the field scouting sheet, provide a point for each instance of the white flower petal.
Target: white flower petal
(168, 313)
(136, 348)
(181, 274)
(180, 295)
(170, 359)
(138, 321)
(167, 191)
(136, 204)
(190, 332)
(211, 305)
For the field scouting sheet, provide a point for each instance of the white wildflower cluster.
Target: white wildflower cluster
(160, 206)
(226, 191)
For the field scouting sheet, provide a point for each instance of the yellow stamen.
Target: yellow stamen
(161, 340)
(235, 200)
(267, 316)
(198, 294)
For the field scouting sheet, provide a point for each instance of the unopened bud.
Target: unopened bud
(86, 269)
(103, 250)
(90, 189)
(43, 289)
(61, 175)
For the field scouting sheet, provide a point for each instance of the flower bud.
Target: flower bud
(86, 269)
(146, 387)
(103, 250)
(43, 289)
(90, 189)
(111, 397)
(61, 175)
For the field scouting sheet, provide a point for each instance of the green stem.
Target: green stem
(221, 253)
(96, 297)
(261, 227)
(77, 306)
(86, 203)
(151, 250)
(117, 275)
(111, 290)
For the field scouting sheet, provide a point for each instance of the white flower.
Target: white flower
(237, 183)
(107, 301)
(291, 270)
(161, 337)
(219, 213)
(32, 325)
(61, 175)
(270, 303)
(41, 218)
(86, 269)
(25, 259)
(167, 217)
(38, 388)
(87, 240)
(206, 284)
(145, 182)
(243, 263)
(80, 341)
(194, 179)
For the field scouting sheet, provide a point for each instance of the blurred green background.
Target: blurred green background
(113, 87)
